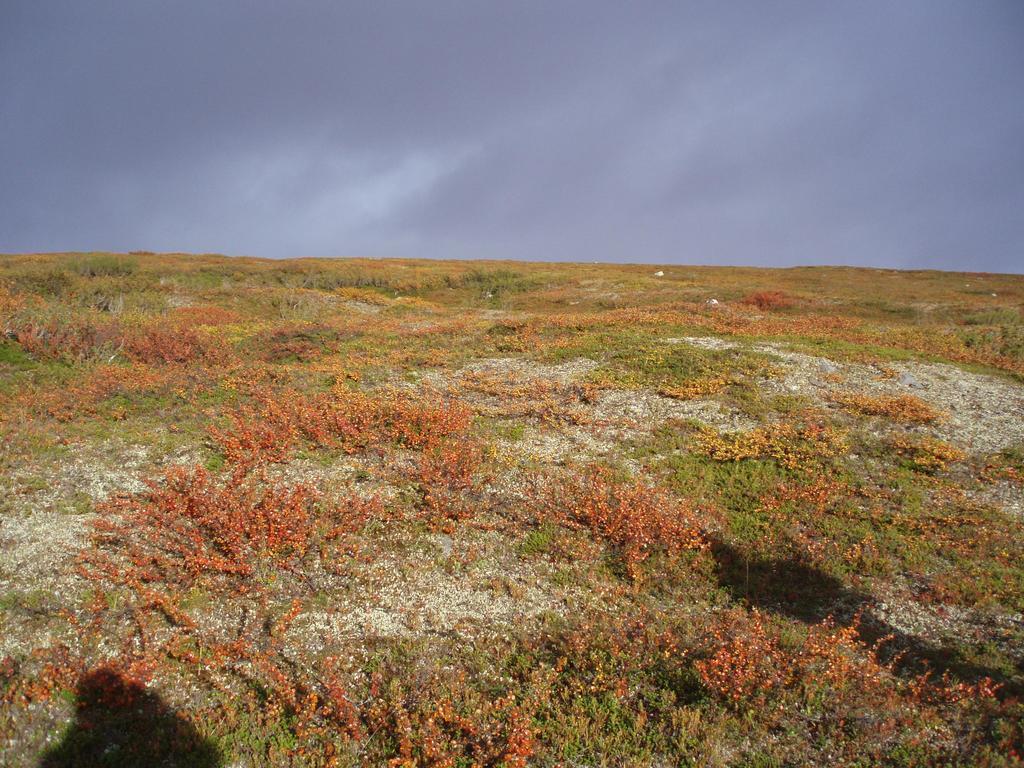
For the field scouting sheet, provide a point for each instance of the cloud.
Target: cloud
(754, 133)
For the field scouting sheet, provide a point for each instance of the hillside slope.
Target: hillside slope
(348, 512)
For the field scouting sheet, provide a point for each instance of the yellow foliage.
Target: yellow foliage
(902, 408)
(927, 454)
(791, 445)
(691, 390)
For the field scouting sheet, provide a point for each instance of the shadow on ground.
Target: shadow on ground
(803, 592)
(119, 723)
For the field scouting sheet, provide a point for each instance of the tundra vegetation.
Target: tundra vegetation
(411, 513)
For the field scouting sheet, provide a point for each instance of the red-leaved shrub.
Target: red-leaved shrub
(768, 300)
(634, 518)
(168, 344)
(192, 525)
(267, 431)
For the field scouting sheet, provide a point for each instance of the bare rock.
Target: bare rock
(907, 380)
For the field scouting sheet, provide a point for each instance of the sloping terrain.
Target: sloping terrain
(363, 512)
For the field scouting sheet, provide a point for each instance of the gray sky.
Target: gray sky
(775, 133)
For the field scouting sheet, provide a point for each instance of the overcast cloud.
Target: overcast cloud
(774, 133)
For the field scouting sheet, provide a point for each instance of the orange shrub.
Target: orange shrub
(436, 732)
(445, 475)
(259, 435)
(750, 664)
(768, 300)
(747, 663)
(268, 431)
(636, 519)
(13, 303)
(99, 383)
(696, 388)
(422, 425)
(751, 667)
(191, 525)
(793, 446)
(902, 408)
(71, 341)
(168, 344)
(797, 510)
(304, 342)
(926, 454)
(55, 668)
(1003, 467)
(233, 538)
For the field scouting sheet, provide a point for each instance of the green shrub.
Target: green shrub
(104, 265)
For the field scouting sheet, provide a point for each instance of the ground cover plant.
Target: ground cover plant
(356, 512)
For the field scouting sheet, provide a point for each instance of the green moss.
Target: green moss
(13, 355)
(538, 541)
